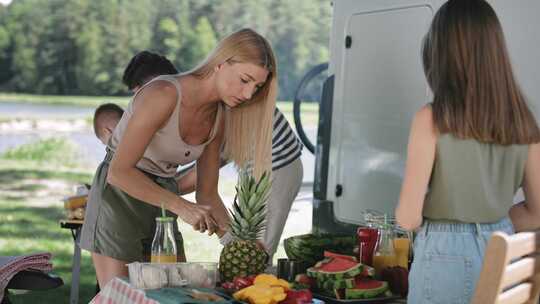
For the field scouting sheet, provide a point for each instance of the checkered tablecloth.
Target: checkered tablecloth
(119, 291)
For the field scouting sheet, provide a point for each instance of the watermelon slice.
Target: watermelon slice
(366, 288)
(330, 285)
(335, 269)
(329, 254)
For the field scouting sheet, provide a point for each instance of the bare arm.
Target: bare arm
(152, 109)
(207, 182)
(420, 159)
(526, 215)
(188, 182)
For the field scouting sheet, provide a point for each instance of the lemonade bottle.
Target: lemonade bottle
(163, 244)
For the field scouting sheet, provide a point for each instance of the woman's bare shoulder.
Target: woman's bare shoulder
(158, 94)
(423, 120)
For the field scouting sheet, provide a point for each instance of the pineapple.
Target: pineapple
(243, 256)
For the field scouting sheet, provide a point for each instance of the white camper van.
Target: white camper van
(375, 85)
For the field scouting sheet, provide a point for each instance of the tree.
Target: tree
(199, 44)
(167, 38)
(83, 46)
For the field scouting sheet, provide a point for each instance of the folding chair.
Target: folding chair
(511, 270)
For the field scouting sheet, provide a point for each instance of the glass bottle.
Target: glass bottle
(163, 244)
(385, 255)
(402, 245)
(368, 237)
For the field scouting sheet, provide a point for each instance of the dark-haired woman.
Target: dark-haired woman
(470, 150)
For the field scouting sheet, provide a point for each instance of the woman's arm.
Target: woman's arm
(188, 182)
(420, 159)
(207, 175)
(526, 215)
(152, 108)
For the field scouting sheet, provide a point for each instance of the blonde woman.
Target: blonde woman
(173, 120)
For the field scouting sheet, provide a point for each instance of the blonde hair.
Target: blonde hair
(248, 127)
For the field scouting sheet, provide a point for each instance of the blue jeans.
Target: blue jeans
(448, 259)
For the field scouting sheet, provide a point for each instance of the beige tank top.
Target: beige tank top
(166, 151)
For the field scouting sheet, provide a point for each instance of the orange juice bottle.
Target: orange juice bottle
(382, 261)
(163, 259)
(385, 255)
(163, 244)
(401, 247)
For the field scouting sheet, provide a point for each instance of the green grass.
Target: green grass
(30, 212)
(25, 230)
(52, 150)
(28, 229)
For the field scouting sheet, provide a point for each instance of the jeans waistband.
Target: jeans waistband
(448, 226)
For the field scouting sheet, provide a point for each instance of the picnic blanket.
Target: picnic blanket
(11, 265)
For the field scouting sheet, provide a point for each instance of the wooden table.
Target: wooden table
(75, 226)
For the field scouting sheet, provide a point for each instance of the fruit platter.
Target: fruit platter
(342, 279)
(335, 279)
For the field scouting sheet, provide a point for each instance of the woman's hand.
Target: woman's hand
(198, 216)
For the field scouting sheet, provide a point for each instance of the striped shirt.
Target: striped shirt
(286, 146)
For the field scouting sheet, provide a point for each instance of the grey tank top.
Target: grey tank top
(473, 182)
(166, 151)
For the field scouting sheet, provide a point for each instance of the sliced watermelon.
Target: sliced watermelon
(335, 269)
(336, 284)
(366, 288)
(329, 254)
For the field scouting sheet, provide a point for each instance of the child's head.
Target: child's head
(106, 117)
(468, 68)
(143, 67)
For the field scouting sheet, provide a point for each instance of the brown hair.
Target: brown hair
(467, 66)
(248, 127)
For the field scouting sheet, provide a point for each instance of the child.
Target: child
(106, 117)
(472, 148)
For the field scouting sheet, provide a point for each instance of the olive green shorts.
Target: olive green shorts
(118, 225)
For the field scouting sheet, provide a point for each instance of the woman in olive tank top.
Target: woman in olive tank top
(469, 151)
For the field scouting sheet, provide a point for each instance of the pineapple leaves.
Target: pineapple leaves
(249, 207)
